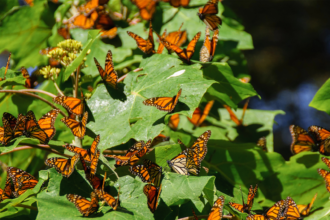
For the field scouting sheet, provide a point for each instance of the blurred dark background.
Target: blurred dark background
(290, 60)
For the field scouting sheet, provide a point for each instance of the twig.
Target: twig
(17, 149)
(203, 216)
(75, 95)
(40, 91)
(47, 148)
(114, 151)
(58, 89)
(33, 95)
(26, 206)
(121, 78)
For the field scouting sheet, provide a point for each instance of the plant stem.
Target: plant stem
(26, 206)
(47, 148)
(40, 91)
(58, 89)
(33, 95)
(75, 95)
(114, 151)
(121, 78)
(17, 149)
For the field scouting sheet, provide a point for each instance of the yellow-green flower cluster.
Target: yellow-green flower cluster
(50, 72)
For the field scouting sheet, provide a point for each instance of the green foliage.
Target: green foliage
(120, 118)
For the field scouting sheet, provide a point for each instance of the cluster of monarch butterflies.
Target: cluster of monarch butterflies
(27, 125)
(315, 139)
(17, 182)
(174, 40)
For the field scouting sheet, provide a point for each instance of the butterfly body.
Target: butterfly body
(207, 51)
(217, 209)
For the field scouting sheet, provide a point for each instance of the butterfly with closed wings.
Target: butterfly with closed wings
(164, 103)
(109, 75)
(146, 46)
(149, 172)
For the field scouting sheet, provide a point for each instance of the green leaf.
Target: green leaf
(127, 117)
(30, 33)
(92, 36)
(12, 78)
(321, 98)
(229, 90)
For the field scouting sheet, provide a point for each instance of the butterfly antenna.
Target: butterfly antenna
(7, 66)
(244, 109)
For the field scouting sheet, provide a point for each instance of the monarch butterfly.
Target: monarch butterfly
(233, 117)
(62, 165)
(152, 193)
(246, 207)
(163, 103)
(22, 180)
(207, 51)
(184, 163)
(325, 174)
(83, 205)
(26, 75)
(291, 211)
(88, 154)
(199, 116)
(305, 209)
(106, 25)
(245, 79)
(72, 105)
(208, 15)
(8, 191)
(138, 150)
(216, 211)
(64, 32)
(201, 144)
(109, 199)
(149, 172)
(174, 121)
(276, 211)
(146, 46)
(52, 61)
(159, 139)
(262, 143)
(7, 66)
(78, 128)
(109, 75)
(32, 128)
(46, 122)
(147, 8)
(176, 37)
(94, 180)
(12, 127)
(322, 137)
(185, 53)
(301, 140)
(178, 3)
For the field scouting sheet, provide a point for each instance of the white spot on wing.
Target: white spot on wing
(180, 72)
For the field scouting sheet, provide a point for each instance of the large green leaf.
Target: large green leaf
(321, 98)
(12, 78)
(26, 31)
(124, 113)
(230, 90)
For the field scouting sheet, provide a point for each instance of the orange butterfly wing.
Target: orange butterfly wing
(83, 205)
(164, 103)
(199, 116)
(85, 22)
(7, 135)
(323, 137)
(256, 217)
(62, 165)
(147, 8)
(149, 172)
(217, 209)
(201, 144)
(301, 140)
(251, 195)
(73, 105)
(32, 129)
(22, 180)
(46, 123)
(161, 45)
(291, 211)
(208, 15)
(20, 126)
(305, 209)
(207, 51)
(8, 191)
(237, 206)
(77, 128)
(276, 210)
(109, 75)
(174, 121)
(146, 46)
(152, 194)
